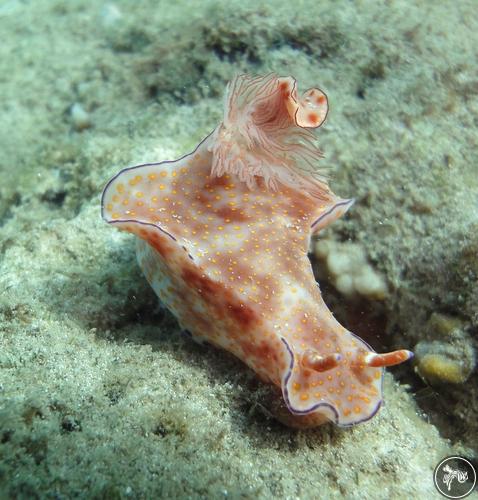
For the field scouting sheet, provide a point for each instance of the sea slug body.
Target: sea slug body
(223, 235)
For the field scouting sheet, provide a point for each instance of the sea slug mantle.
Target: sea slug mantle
(223, 234)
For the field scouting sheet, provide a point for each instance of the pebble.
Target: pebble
(80, 118)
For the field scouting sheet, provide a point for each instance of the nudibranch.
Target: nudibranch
(223, 235)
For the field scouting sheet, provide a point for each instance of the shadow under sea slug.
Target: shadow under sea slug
(223, 235)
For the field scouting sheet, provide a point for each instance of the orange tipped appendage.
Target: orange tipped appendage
(375, 360)
(313, 360)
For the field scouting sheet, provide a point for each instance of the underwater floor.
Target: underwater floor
(101, 394)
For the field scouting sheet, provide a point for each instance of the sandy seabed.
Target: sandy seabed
(101, 395)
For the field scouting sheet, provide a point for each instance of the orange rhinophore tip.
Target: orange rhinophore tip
(387, 359)
(313, 360)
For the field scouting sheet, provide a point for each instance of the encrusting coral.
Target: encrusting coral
(351, 273)
(446, 354)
